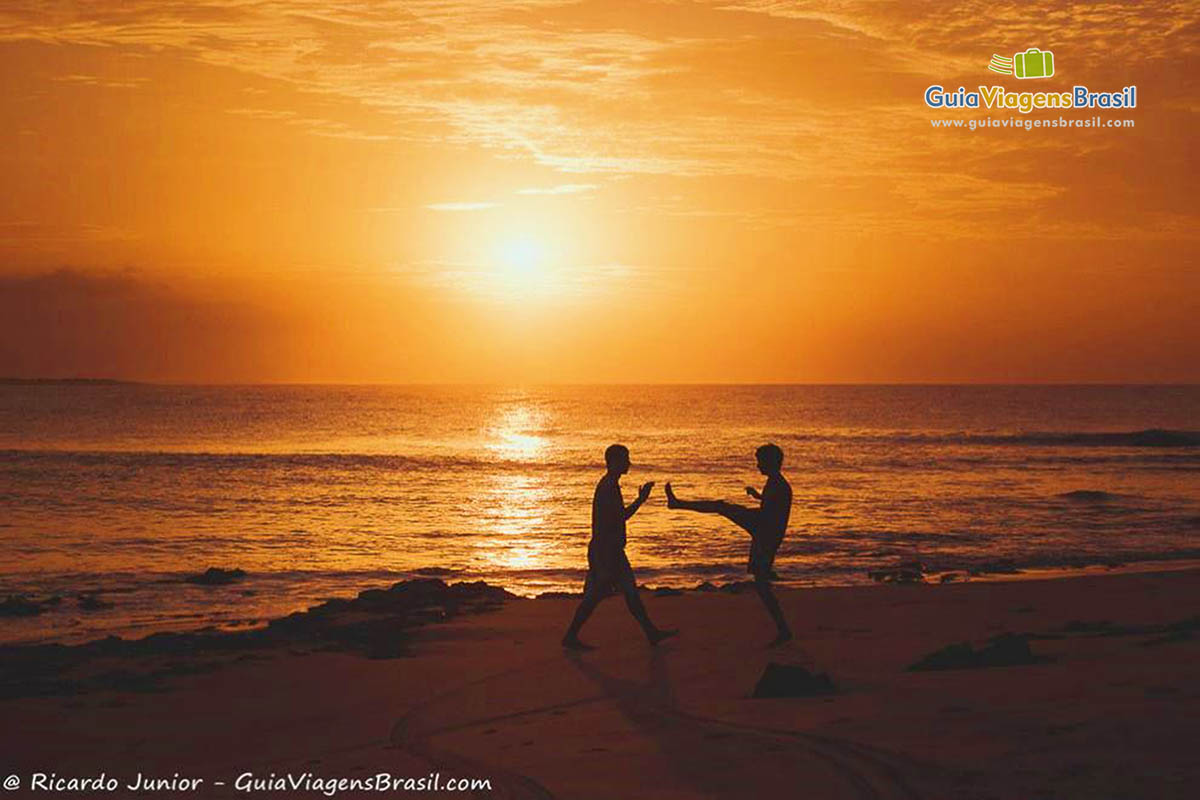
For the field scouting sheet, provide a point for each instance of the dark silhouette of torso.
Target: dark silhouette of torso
(608, 519)
(776, 509)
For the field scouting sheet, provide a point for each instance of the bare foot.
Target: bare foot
(783, 638)
(661, 634)
(671, 501)
(573, 643)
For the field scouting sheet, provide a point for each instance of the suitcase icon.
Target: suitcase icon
(1033, 63)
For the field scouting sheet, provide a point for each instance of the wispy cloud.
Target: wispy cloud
(561, 281)
(106, 83)
(562, 188)
(18, 234)
(705, 89)
(460, 206)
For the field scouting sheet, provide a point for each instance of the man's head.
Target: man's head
(770, 459)
(616, 459)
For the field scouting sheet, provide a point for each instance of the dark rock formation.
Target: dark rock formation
(215, 576)
(907, 572)
(379, 623)
(1006, 650)
(792, 680)
(92, 602)
(559, 596)
(18, 605)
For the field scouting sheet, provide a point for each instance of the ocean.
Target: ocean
(121, 491)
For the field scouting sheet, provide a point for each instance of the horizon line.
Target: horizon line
(110, 381)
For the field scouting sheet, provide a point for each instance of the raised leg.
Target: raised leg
(745, 518)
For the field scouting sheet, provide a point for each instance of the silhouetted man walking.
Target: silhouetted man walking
(608, 566)
(765, 524)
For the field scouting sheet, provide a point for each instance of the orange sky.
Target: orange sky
(458, 190)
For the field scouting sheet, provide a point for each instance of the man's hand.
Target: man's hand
(643, 494)
(750, 490)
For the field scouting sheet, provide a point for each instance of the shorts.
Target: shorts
(761, 563)
(609, 574)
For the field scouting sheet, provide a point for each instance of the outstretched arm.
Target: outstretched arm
(643, 495)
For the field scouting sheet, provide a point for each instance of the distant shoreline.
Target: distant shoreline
(66, 382)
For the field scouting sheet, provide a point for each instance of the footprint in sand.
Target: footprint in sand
(698, 752)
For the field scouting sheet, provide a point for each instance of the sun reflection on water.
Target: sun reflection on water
(517, 435)
(512, 517)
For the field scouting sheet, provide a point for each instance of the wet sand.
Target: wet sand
(1109, 709)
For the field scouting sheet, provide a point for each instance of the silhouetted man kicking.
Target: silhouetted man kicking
(765, 524)
(608, 566)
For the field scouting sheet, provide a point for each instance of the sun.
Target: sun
(522, 260)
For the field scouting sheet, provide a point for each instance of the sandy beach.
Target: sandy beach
(1108, 709)
(352, 353)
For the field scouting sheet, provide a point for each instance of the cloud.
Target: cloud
(461, 206)
(817, 94)
(560, 281)
(16, 235)
(315, 125)
(562, 188)
(68, 323)
(95, 80)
